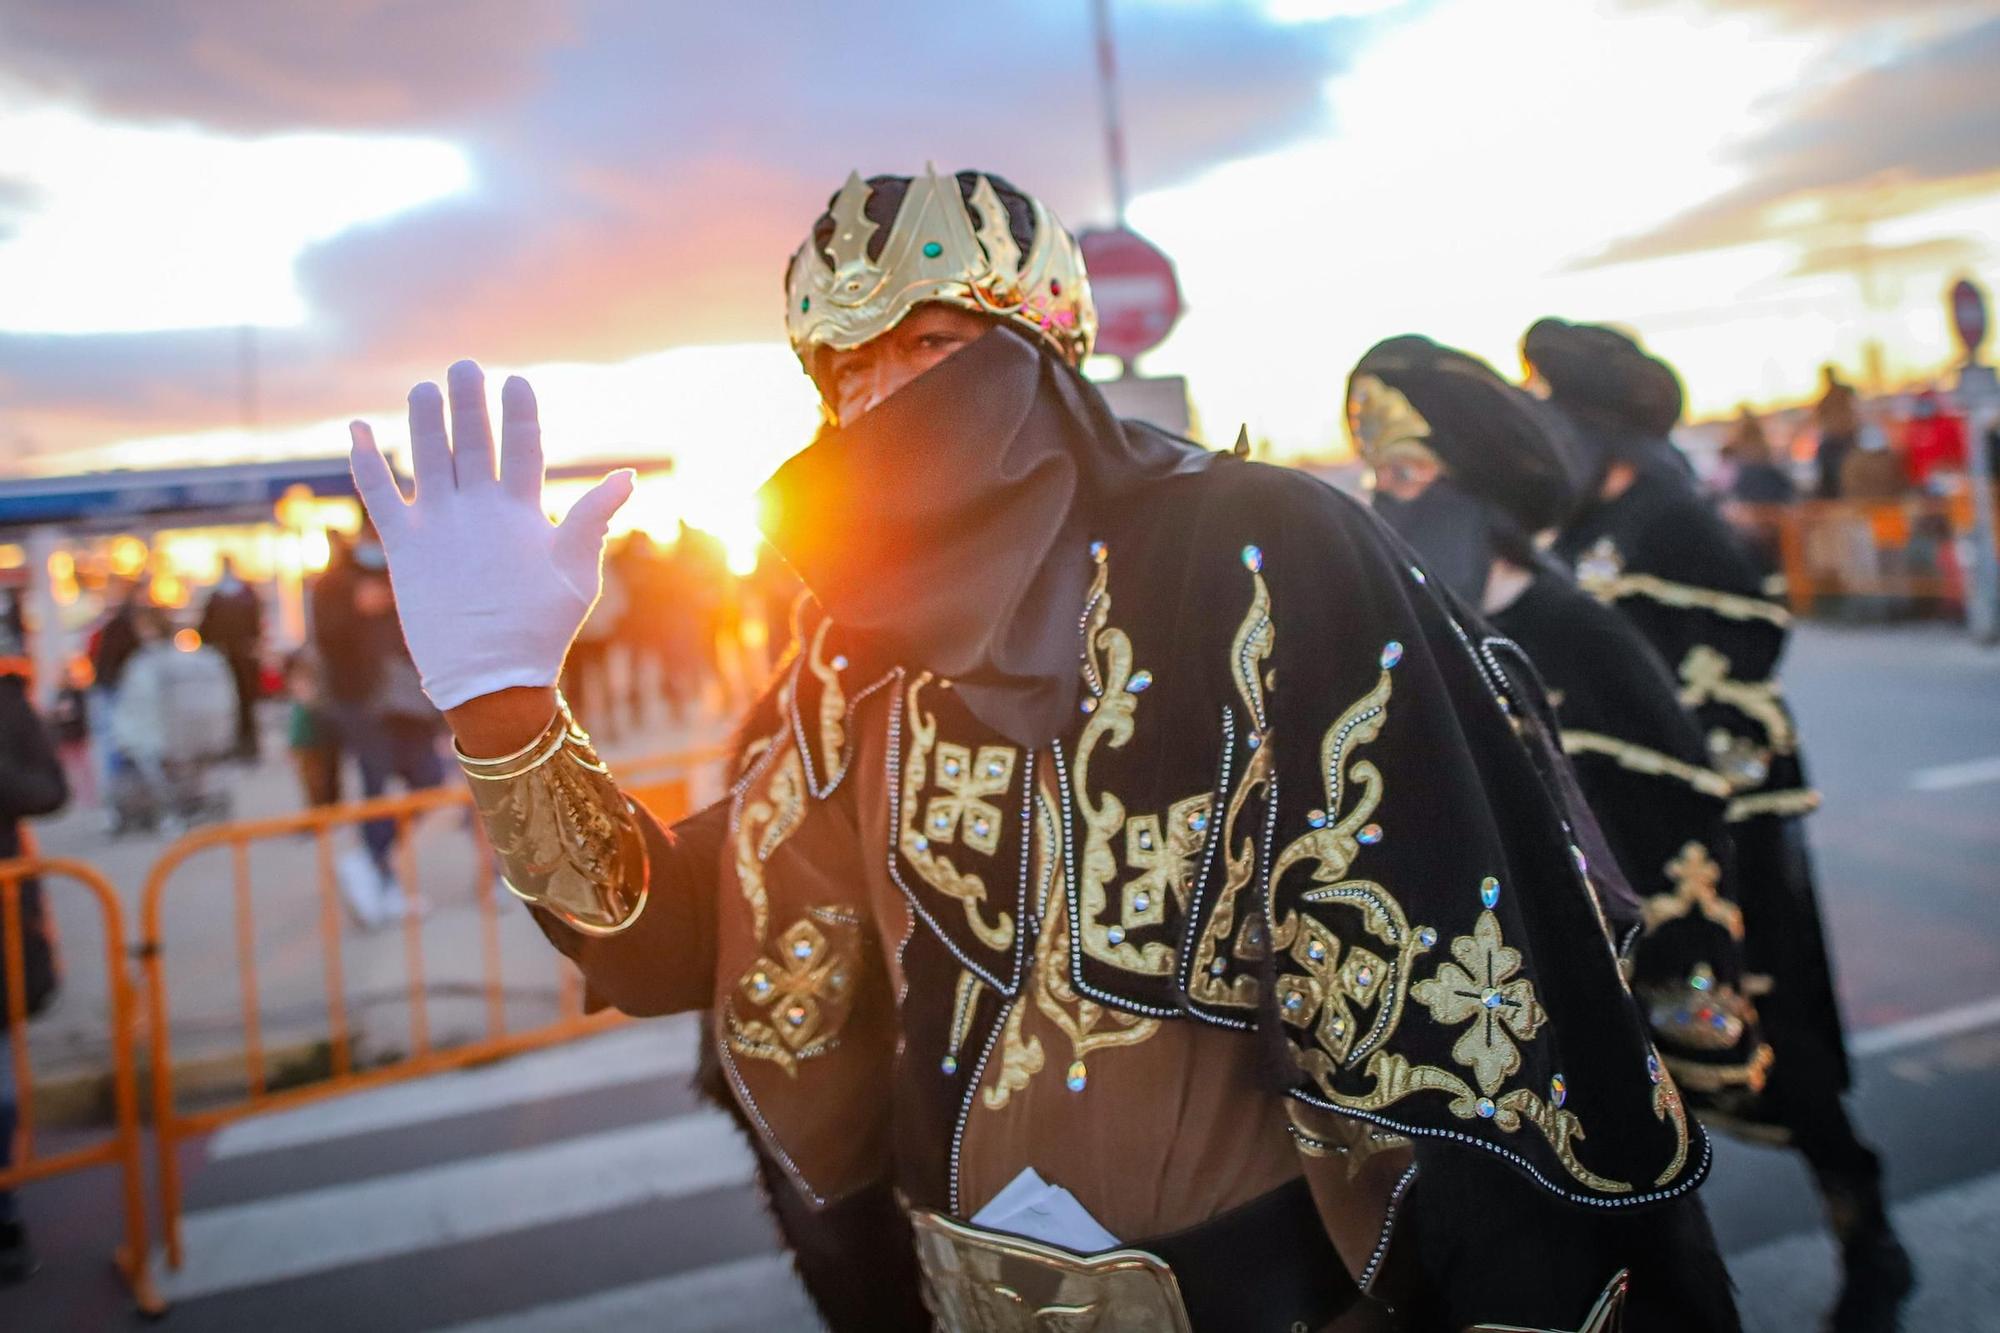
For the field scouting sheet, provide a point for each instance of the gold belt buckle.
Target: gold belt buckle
(978, 1281)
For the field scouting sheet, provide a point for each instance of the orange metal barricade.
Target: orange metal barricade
(661, 785)
(121, 1149)
(1904, 548)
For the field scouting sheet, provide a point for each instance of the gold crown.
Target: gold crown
(1382, 423)
(841, 298)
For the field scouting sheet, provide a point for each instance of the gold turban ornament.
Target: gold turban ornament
(840, 298)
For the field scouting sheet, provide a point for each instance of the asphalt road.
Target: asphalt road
(584, 1188)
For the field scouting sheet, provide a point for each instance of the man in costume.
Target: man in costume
(1645, 542)
(1130, 821)
(1470, 470)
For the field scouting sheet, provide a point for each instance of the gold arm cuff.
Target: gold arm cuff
(1606, 1316)
(1695, 1076)
(567, 839)
(1687, 597)
(1639, 759)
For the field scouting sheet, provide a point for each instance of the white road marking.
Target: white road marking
(1930, 1027)
(317, 1230)
(1944, 777)
(749, 1294)
(634, 1054)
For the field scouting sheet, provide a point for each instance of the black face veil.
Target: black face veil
(950, 525)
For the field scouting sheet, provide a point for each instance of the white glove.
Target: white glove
(489, 591)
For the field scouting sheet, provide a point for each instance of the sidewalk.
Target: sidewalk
(200, 941)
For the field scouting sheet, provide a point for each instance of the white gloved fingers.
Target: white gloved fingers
(380, 495)
(579, 544)
(471, 431)
(520, 441)
(430, 451)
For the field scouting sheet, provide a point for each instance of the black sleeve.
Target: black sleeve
(31, 777)
(665, 962)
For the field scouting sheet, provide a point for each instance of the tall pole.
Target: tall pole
(1107, 98)
(1979, 395)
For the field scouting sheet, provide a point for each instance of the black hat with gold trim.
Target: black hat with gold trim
(1597, 372)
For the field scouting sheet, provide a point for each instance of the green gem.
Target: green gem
(932, 249)
(805, 304)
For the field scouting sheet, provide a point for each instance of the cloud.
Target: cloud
(1892, 137)
(642, 171)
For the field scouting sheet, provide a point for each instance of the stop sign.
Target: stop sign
(1968, 311)
(1138, 297)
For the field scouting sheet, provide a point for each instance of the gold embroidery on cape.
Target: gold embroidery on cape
(1323, 1134)
(832, 703)
(1600, 571)
(1667, 1107)
(800, 994)
(1112, 703)
(1328, 996)
(1252, 645)
(1640, 759)
(1696, 878)
(1793, 801)
(1482, 983)
(1088, 1026)
(965, 1000)
(936, 870)
(1705, 675)
(766, 820)
(967, 780)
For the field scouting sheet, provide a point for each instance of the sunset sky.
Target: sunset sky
(603, 193)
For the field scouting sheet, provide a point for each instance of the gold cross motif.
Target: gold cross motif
(968, 780)
(1696, 878)
(794, 987)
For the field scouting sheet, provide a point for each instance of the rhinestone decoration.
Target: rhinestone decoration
(1364, 977)
(796, 1015)
(1078, 1076)
(1418, 574)
(1338, 1027)
(981, 827)
(940, 822)
(932, 249)
(1316, 951)
(805, 304)
(921, 843)
(840, 661)
(760, 984)
(1582, 862)
(1116, 934)
(1254, 740)
(1098, 551)
(1718, 1020)
(1484, 1106)
(1558, 1090)
(1392, 653)
(1140, 680)
(994, 768)
(1197, 820)
(1427, 937)
(1317, 818)
(1370, 835)
(1653, 1070)
(951, 768)
(1253, 559)
(802, 949)
(1145, 841)
(949, 1064)
(1490, 998)
(1700, 979)
(1489, 891)
(1217, 968)
(1141, 901)
(1294, 1001)
(1088, 705)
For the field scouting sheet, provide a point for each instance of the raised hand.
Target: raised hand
(489, 591)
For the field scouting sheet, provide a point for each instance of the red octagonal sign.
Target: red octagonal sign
(1138, 297)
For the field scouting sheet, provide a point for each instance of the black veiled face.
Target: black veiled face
(854, 380)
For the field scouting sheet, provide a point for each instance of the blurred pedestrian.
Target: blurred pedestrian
(379, 712)
(1646, 543)
(31, 783)
(174, 714)
(1934, 443)
(1758, 477)
(1873, 469)
(311, 732)
(232, 622)
(1837, 414)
